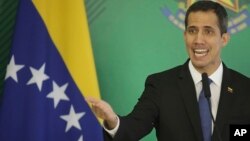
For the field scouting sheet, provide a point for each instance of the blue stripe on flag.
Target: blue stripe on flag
(28, 113)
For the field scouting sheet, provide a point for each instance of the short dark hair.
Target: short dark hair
(218, 9)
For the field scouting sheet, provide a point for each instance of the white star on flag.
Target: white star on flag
(72, 119)
(12, 69)
(58, 93)
(38, 76)
(80, 139)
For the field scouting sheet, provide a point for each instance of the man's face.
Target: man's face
(204, 41)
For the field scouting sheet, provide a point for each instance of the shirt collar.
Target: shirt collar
(216, 77)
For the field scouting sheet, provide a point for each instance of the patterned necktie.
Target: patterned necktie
(206, 119)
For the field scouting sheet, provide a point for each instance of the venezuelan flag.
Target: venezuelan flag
(51, 69)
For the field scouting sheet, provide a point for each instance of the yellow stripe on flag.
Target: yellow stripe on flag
(67, 25)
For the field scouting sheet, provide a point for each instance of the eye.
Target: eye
(208, 31)
(192, 31)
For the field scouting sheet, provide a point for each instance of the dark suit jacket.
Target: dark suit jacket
(169, 105)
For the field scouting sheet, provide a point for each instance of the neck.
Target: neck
(208, 69)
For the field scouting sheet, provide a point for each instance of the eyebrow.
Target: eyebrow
(206, 27)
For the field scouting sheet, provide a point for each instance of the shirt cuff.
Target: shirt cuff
(112, 132)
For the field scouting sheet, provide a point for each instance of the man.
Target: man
(170, 102)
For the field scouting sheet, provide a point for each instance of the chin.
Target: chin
(198, 63)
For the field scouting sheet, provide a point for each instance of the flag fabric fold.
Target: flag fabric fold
(50, 71)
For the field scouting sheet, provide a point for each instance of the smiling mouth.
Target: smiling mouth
(200, 52)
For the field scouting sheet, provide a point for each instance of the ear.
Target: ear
(225, 38)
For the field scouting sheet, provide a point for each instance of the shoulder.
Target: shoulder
(239, 77)
(239, 82)
(167, 75)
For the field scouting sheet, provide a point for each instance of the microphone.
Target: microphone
(207, 93)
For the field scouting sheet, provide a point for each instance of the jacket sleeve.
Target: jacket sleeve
(142, 119)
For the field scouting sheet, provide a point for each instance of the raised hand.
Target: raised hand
(104, 111)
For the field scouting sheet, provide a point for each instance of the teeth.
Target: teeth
(200, 52)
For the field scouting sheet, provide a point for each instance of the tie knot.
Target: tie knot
(209, 81)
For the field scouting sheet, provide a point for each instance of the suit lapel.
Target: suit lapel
(188, 94)
(226, 98)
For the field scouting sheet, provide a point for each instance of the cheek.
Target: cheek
(216, 49)
(189, 47)
(188, 42)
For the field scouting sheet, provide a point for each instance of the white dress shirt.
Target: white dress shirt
(215, 86)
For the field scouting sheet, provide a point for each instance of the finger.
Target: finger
(93, 101)
(99, 113)
(90, 99)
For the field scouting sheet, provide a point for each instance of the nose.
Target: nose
(199, 38)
